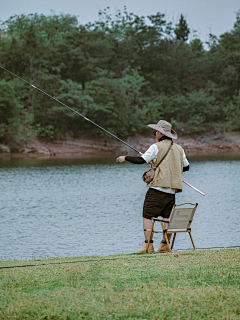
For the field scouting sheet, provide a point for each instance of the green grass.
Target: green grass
(195, 285)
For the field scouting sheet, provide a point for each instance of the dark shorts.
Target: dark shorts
(158, 203)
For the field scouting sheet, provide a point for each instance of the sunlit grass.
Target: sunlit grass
(194, 285)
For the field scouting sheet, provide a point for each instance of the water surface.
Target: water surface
(68, 208)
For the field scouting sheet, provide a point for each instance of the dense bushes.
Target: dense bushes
(122, 73)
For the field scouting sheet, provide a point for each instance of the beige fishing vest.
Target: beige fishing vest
(169, 173)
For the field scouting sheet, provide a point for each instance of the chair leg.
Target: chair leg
(173, 240)
(151, 232)
(192, 240)
(166, 238)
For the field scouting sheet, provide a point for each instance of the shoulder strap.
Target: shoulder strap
(164, 156)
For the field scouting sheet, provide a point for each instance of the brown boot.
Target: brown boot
(163, 248)
(144, 248)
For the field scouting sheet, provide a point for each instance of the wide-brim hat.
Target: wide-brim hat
(165, 128)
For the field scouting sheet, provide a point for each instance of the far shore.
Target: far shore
(89, 147)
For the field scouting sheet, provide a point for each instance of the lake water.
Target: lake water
(71, 208)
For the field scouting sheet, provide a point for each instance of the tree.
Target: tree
(15, 122)
(182, 31)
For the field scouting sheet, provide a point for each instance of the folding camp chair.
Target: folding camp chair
(179, 221)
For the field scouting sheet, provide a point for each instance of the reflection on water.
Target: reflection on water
(66, 208)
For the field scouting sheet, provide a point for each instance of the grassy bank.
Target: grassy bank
(194, 285)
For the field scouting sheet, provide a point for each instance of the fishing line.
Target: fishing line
(90, 122)
(112, 259)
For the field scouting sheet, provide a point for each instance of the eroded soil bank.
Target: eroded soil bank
(85, 147)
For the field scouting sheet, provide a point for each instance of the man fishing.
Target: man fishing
(167, 180)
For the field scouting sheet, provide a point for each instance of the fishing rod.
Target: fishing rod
(188, 184)
(88, 120)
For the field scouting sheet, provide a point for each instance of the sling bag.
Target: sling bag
(149, 173)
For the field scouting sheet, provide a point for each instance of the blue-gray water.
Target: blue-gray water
(69, 208)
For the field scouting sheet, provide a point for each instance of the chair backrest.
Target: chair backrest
(181, 218)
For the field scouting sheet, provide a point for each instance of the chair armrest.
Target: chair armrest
(157, 219)
(193, 204)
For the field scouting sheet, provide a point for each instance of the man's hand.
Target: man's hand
(121, 159)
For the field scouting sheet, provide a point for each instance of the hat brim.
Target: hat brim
(171, 134)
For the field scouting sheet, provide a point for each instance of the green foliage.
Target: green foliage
(118, 101)
(182, 31)
(121, 72)
(15, 122)
(188, 112)
(45, 132)
(232, 111)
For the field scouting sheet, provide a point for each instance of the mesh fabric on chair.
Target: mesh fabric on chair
(179, 221)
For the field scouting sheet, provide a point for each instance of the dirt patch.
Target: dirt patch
(94, 147)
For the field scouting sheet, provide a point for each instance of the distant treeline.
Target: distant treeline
(121, 72)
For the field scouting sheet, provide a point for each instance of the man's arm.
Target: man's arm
(136, 160)
(149, 155)
(186, 166)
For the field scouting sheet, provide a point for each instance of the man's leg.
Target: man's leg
(169, 235)
(166, 214)
(147, 224)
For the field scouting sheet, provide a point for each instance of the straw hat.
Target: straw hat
(165, 128)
